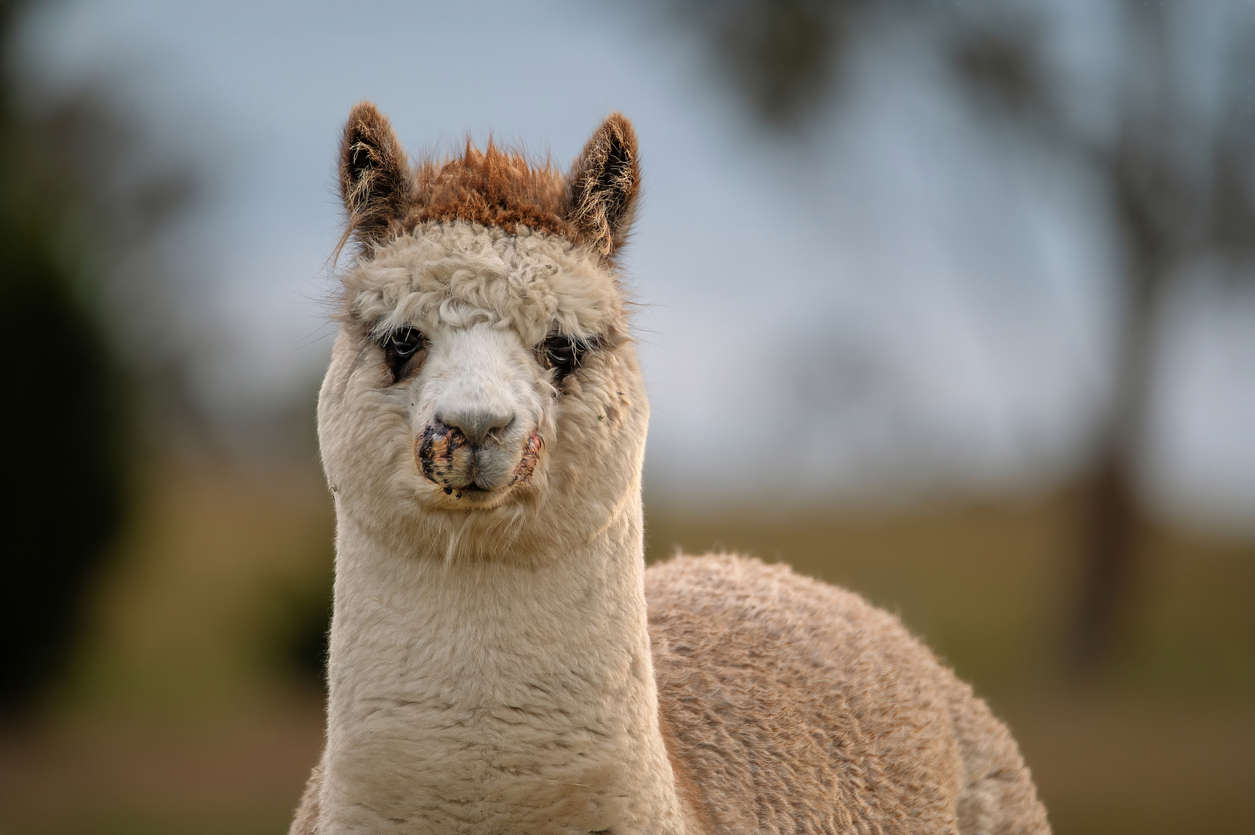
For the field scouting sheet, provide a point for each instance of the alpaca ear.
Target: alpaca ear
(374, 174)
(603, 185)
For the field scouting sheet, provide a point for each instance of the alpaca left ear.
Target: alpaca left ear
(374, 174)
(603, 185)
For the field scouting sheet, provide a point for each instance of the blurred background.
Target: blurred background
(989, 265)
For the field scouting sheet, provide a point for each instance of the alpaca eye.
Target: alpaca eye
(563, 353)
(398, 347)
(405, 342)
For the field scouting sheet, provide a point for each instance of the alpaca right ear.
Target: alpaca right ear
(603, 185)
(375, 180)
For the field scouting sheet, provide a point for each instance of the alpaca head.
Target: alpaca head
(483, 385)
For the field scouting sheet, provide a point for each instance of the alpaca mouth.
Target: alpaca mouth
(466, 471)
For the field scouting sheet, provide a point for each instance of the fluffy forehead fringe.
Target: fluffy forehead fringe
(459, 272)
(494, 187)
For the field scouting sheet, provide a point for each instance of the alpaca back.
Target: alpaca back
(793, 706)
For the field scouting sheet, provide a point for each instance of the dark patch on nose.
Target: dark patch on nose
(435, 449)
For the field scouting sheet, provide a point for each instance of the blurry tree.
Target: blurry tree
(73, 204)
(1178, 168)
(1171, 146)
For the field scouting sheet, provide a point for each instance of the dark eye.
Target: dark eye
(399, 346)
(563, 354)
(405, 342)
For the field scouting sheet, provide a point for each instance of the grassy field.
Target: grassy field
(188, 712)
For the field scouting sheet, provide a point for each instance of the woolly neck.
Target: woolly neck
(496, 695)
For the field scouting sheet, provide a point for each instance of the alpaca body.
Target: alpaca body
(500, 659)
(829, 716)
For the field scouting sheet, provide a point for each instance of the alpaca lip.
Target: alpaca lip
(471, 492)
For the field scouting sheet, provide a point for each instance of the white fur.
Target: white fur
(446, 272)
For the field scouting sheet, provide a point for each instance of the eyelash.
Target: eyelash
(399, 347)
(564, 354)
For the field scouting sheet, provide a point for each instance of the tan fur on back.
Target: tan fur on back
(794, 706)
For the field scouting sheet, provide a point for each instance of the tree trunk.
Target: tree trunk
(1110, 567)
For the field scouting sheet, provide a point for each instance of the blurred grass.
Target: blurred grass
(183, 717)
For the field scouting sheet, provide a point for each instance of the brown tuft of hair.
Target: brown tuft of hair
(492, 187)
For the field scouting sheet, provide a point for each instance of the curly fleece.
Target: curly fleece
(790, 705)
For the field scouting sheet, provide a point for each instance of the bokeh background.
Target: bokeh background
(949, 302)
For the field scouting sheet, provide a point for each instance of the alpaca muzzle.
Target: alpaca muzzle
(450, 460)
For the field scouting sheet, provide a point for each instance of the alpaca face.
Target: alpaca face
(482, 377)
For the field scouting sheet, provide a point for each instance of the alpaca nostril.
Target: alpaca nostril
(478, 425)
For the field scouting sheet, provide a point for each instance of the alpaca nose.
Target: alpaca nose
(478, 425)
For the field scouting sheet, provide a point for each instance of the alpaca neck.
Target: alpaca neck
(493, 696)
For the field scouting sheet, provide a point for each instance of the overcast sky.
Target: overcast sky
(908, 299)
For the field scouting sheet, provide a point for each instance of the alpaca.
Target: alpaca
(500, 659)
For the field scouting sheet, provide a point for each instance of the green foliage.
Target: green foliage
(72, 205)
(63, 476)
